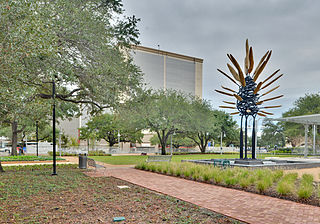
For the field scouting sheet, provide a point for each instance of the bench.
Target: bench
(221, 162)
(159, 158)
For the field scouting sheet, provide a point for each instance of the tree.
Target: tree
(80, 45)
(85, 50)
(178, 140)
(206, 124)
(107, 126)
(308, 104)
(272, 134)
(163, 112)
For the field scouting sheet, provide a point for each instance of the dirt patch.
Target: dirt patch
(315, 172)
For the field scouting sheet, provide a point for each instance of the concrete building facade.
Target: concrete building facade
(167, 70)
(162, 70)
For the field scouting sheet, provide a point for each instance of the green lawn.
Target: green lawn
(27, 158)
(136, 159)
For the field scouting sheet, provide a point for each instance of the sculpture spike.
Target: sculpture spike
(228, 77)
(260, 114)
(228, 89)
(260, 102)
(232, 103)
(273, 98)
(219, 91)
(234, 61)
(272, 81)
(251, 60)
(233, 72)
(238, 97)
(262, 111)
(259, 71)
(271, 76)
(227, 107)
(246, 59)
(234, 113)
(257, 88)
(270, 90)
(270, 107)
(260, 62)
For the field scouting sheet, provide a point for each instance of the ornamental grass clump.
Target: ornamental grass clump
(264, 179)
(286, 184)
(306, 186)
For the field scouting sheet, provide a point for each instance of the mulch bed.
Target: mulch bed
(72, 197)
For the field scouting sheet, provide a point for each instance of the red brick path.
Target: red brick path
(244, 206)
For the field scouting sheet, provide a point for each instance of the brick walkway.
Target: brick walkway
(244, 206)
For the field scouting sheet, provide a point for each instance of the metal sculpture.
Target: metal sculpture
(248, 97)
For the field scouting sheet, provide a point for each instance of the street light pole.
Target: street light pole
(54, 127)
(37, 137)
(221, 143)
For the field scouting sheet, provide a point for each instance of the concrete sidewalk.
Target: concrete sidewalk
(244, 206)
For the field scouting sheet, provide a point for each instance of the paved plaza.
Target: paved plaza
(244, 206)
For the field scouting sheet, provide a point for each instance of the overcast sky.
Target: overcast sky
(209, 29)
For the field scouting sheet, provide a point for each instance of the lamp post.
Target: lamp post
(222, 135)
(54, 127)
(37, 138)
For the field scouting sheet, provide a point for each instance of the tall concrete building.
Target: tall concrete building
(162, 70)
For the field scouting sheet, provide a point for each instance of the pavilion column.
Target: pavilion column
(314, 138)
(306, 127)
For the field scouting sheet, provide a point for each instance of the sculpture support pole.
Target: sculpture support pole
(241, 139)
(254, 137)
(246, 139)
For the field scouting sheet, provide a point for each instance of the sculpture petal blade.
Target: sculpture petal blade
(228, 94)
(251, 60)
(271, 90)
(272, 81)
(233, 72)
(228, 89)
(227, 107)
(260, 62)
(271, 76)
(260, 114)
(232, 103)
(238, 97)
(270, 107)
(264, 112)
(273, 98)
(234, 113)
(228, 77)
(257, 88)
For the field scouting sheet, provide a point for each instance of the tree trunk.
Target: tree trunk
(163, 141)
(1, 169)
(14, 139)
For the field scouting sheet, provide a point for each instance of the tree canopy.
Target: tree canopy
(306, 105)
(108, 126)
